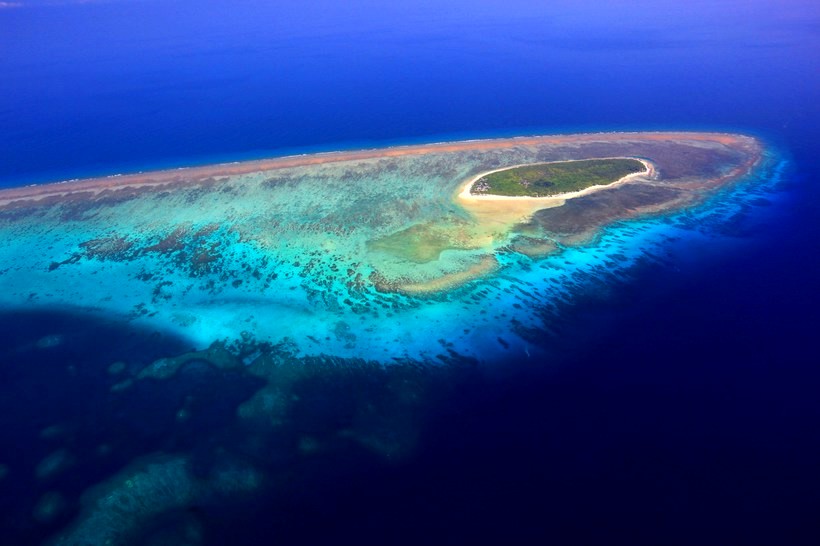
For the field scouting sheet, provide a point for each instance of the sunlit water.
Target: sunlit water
(669, 395)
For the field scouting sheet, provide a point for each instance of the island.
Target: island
(555, 178)
(368, 253)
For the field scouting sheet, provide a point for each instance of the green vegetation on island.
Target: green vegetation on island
(546, 179)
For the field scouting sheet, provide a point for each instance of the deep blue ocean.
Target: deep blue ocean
(681, 407)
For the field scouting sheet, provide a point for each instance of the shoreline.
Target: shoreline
(187, 175)
(466, 195)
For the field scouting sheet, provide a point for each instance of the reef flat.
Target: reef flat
(377, 254)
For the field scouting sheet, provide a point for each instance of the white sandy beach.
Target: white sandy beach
(466, 188)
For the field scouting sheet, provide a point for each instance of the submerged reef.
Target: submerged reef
(308, 415)
(290, 322)
(371, 254)
(129, 507)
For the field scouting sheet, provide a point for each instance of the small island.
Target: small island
(550, 179)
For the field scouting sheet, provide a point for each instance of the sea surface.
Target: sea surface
(677, 400)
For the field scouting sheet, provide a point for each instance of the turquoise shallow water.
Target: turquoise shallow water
(286, 257)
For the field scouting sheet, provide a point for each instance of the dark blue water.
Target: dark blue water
(131, 85)
(680, 409)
